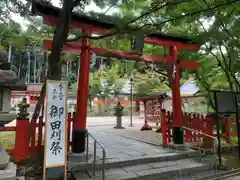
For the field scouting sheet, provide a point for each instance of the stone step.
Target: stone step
(152, 171)
(79, 157)
(117, 163)
(227, 174)
(9, 173)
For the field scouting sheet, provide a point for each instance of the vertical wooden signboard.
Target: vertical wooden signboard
(55, 152)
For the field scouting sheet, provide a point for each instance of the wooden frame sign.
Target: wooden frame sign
(55, 150)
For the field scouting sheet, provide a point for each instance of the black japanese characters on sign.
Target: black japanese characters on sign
(56, 115)
(54, 94)
(58, 94)
(56, 111)
(56, 148)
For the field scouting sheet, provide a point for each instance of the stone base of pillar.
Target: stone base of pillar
(117, 127)
(9, 173)
(79, 140)
(146, 127)
(8, 170)
(178, 135)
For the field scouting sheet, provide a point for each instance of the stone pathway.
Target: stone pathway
(120, 148)
(150, 137)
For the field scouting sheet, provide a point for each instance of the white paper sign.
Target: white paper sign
(56, 112)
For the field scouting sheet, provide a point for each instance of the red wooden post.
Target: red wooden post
(69, 120)
(40, 134)
(33, 126)
(176, 98)
(195, 127)
(228, 130)
(164, 128)
(200, 125)
(186, 124)
(191, 119)
(209, 126)
(80, 129)
(169, 127)
(21, 149)
(160, 115)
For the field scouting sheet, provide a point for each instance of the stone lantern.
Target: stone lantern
(8, 82)
(119, 113)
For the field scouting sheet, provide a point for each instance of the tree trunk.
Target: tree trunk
(60, 36)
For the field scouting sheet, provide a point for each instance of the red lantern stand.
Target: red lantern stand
(89, 26)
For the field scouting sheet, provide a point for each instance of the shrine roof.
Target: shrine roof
(152, 96)
(40, 8)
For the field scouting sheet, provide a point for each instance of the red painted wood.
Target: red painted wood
(164, 129)
(33, 126)
(21, 140)
(67, 47)
(52, 21)
(176, 96)
(76, 48)
(69, 117)
(40, 132)
(129, 55)
(160, 42)
(189, 64)
(82, 90)
(10, 128)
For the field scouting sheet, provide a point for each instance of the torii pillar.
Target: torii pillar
(176, 98)
(176, 43)
(80, 121)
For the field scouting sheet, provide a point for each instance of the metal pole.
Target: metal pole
(9, 53)
(19, 67)
(46, 63)
(238, 125)
(94, 156)
(35, 63)
(87, 147)
(218, 133)
(131, 104)
(29, 66)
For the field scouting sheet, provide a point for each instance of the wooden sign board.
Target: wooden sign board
(55, 152)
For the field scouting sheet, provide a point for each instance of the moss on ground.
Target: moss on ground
(7, 139)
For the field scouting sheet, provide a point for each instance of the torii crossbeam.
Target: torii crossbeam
(91, 25)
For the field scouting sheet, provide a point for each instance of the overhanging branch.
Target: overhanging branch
(75, 3)
(125, 29)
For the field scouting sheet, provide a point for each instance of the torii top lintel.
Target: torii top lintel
(95, 25)
(75, 47)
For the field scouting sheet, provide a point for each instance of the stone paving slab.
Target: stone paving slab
(134, 132)
(118, 147)
(132, 172)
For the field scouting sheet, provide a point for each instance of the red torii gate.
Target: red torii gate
(88, 25)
